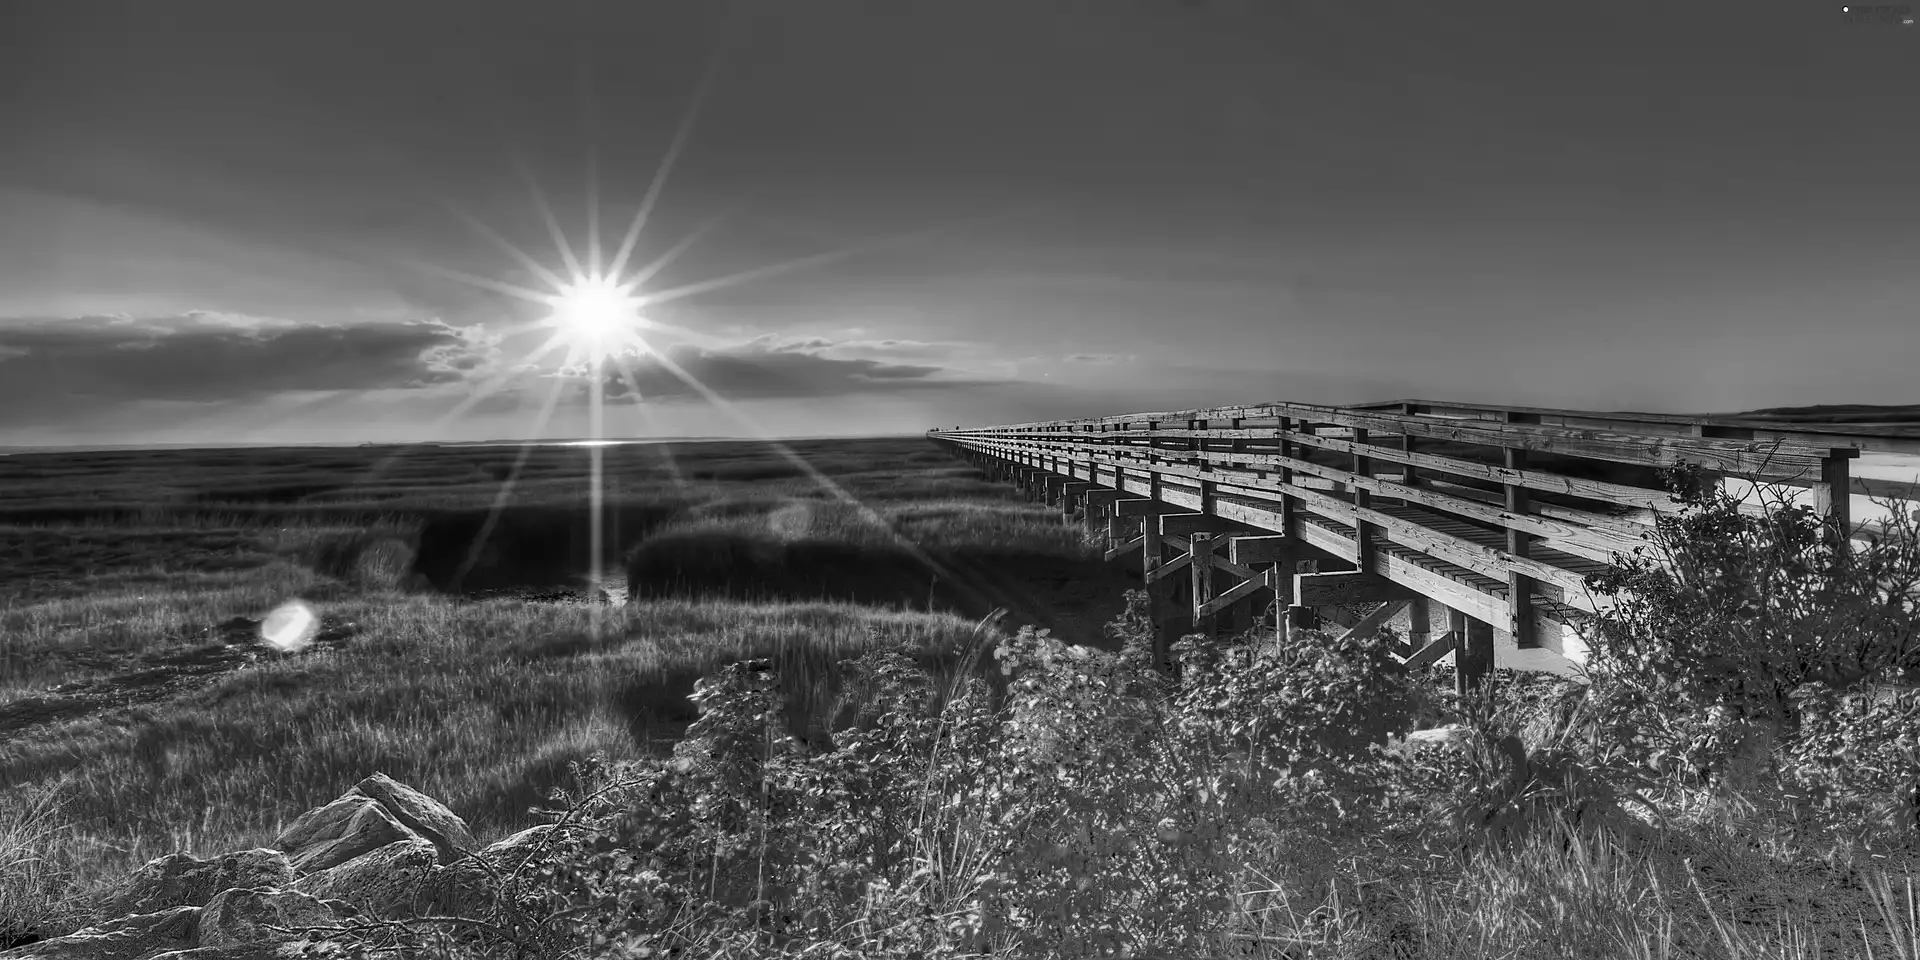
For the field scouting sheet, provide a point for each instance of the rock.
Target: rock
(1450, 735)
(338, 832)
(422, 814)
(386, 882)
(136, 937)
(507, 855)
(181, 880)
(245, 915)
(401, 880)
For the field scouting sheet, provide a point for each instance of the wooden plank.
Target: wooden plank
(1144, 507)
(1831, 500)
(1644, 498)
(1201, 593)
(1765, 458)
(1186, 524)
(1488, 561)
(1519, 544)
(1480, 559)
(1168, 568)
(1473, 653)
(1267, 549)
(1810, 434)
(1768, 458)
(1358, 586)
(1582, 540)
(1123, 549)
(1239, 592)
(1626, 524)
(1099, 500)
(1443, 589)
(1373, 621)
(1432, 652)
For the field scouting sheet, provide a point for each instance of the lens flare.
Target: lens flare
(290, 628)
(597, 316)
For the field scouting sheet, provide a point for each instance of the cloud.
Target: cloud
(905, 349)
(1100, 358)
(203, 358)
(771, 367)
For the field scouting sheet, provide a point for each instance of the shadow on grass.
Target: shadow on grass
(528, 548)
(1034, 587)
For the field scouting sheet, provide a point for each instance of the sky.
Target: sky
(234, 221)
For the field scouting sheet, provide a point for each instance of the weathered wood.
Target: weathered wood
(1591, 535)
(1519, 544)
(1432, 652)
(1486, 561)
(1169, 568)
(1098, 500)
(1473, 652)
(1265, 549)
(1146, 507)
(1895, 439)
(1358, 586)
(1241, 591)
(1373, 621)
(1126, 547)
(1187, 524)
(1204, 620)
(1252, 473)
(1772, 458)
(1419, 621)
(1831, 499)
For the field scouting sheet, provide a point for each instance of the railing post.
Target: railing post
(1201, 570)
(1363, 530)
(1409, 477)
(1833, 498)
(1519, 587)
(1472, 651)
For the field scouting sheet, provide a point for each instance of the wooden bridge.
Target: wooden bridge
(1471, 528)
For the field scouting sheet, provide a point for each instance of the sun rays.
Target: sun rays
(597, 315)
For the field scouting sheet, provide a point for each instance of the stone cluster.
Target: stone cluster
(382, 850)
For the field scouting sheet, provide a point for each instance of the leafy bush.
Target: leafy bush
(1096, 811)
(1732, 620)
(1526, 758)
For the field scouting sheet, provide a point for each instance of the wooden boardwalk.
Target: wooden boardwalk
(1482, 521)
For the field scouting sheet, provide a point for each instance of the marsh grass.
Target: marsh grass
(492, 705)
(484, 705)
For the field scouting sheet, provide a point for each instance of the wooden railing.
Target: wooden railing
(1499, 512)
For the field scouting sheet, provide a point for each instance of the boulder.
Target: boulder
(136, 937)
(388, 882)
(425, 816)
(340, 831)
(245, 915)
(401, 879)
(181, 880)
(507, 855)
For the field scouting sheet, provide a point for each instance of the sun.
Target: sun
(597, 316)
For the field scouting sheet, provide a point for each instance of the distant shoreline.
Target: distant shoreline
(580, 442)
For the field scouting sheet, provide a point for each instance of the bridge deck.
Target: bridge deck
(1481, 498)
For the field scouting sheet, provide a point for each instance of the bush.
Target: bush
(1733, 633)
(1095, 810)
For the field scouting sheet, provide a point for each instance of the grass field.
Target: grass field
(464, 647)
(459, 653)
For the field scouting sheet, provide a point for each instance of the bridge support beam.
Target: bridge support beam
(1070, 494)
(1099, 513)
